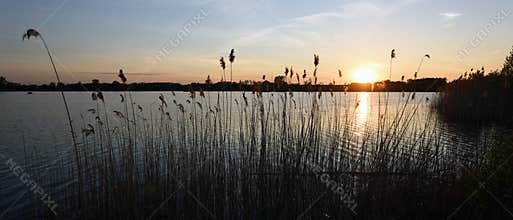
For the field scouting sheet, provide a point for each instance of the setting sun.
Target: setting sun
(364, 75)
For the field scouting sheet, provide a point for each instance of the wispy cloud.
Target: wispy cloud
(350, 10)
(448, 18)
(451, 15)
(255, 35)
(314, 18)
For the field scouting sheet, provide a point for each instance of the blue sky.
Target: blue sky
(91, 39)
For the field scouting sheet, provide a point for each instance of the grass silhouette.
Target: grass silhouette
(273, 156)
(36, 34)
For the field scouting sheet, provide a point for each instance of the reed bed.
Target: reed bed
(189, 158)
(258, 156)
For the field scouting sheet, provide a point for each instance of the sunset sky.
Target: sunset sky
(181, 41)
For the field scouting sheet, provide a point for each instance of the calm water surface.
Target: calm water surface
(34, 130)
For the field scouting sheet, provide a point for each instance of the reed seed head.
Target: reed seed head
(31, 33)
(222, 63)
(162, 100)
(232, 56)
(100, 96)
(122, 76)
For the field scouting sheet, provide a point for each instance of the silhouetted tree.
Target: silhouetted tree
(279, 81)
(507, 68)
(3, 81)
(208, 81)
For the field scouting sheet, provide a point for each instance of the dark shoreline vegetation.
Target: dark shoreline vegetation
(278, 85)
(288, 155)
(476, 97)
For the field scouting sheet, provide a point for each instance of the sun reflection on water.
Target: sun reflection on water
(362, 111)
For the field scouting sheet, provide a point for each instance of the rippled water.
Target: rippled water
(34, 132)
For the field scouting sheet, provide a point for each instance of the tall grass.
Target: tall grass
(182, 157)
(36, 34)
(192, 166)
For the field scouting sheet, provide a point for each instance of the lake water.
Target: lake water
(34, 132)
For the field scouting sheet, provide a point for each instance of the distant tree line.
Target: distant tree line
(278, 85)
(479, 97)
